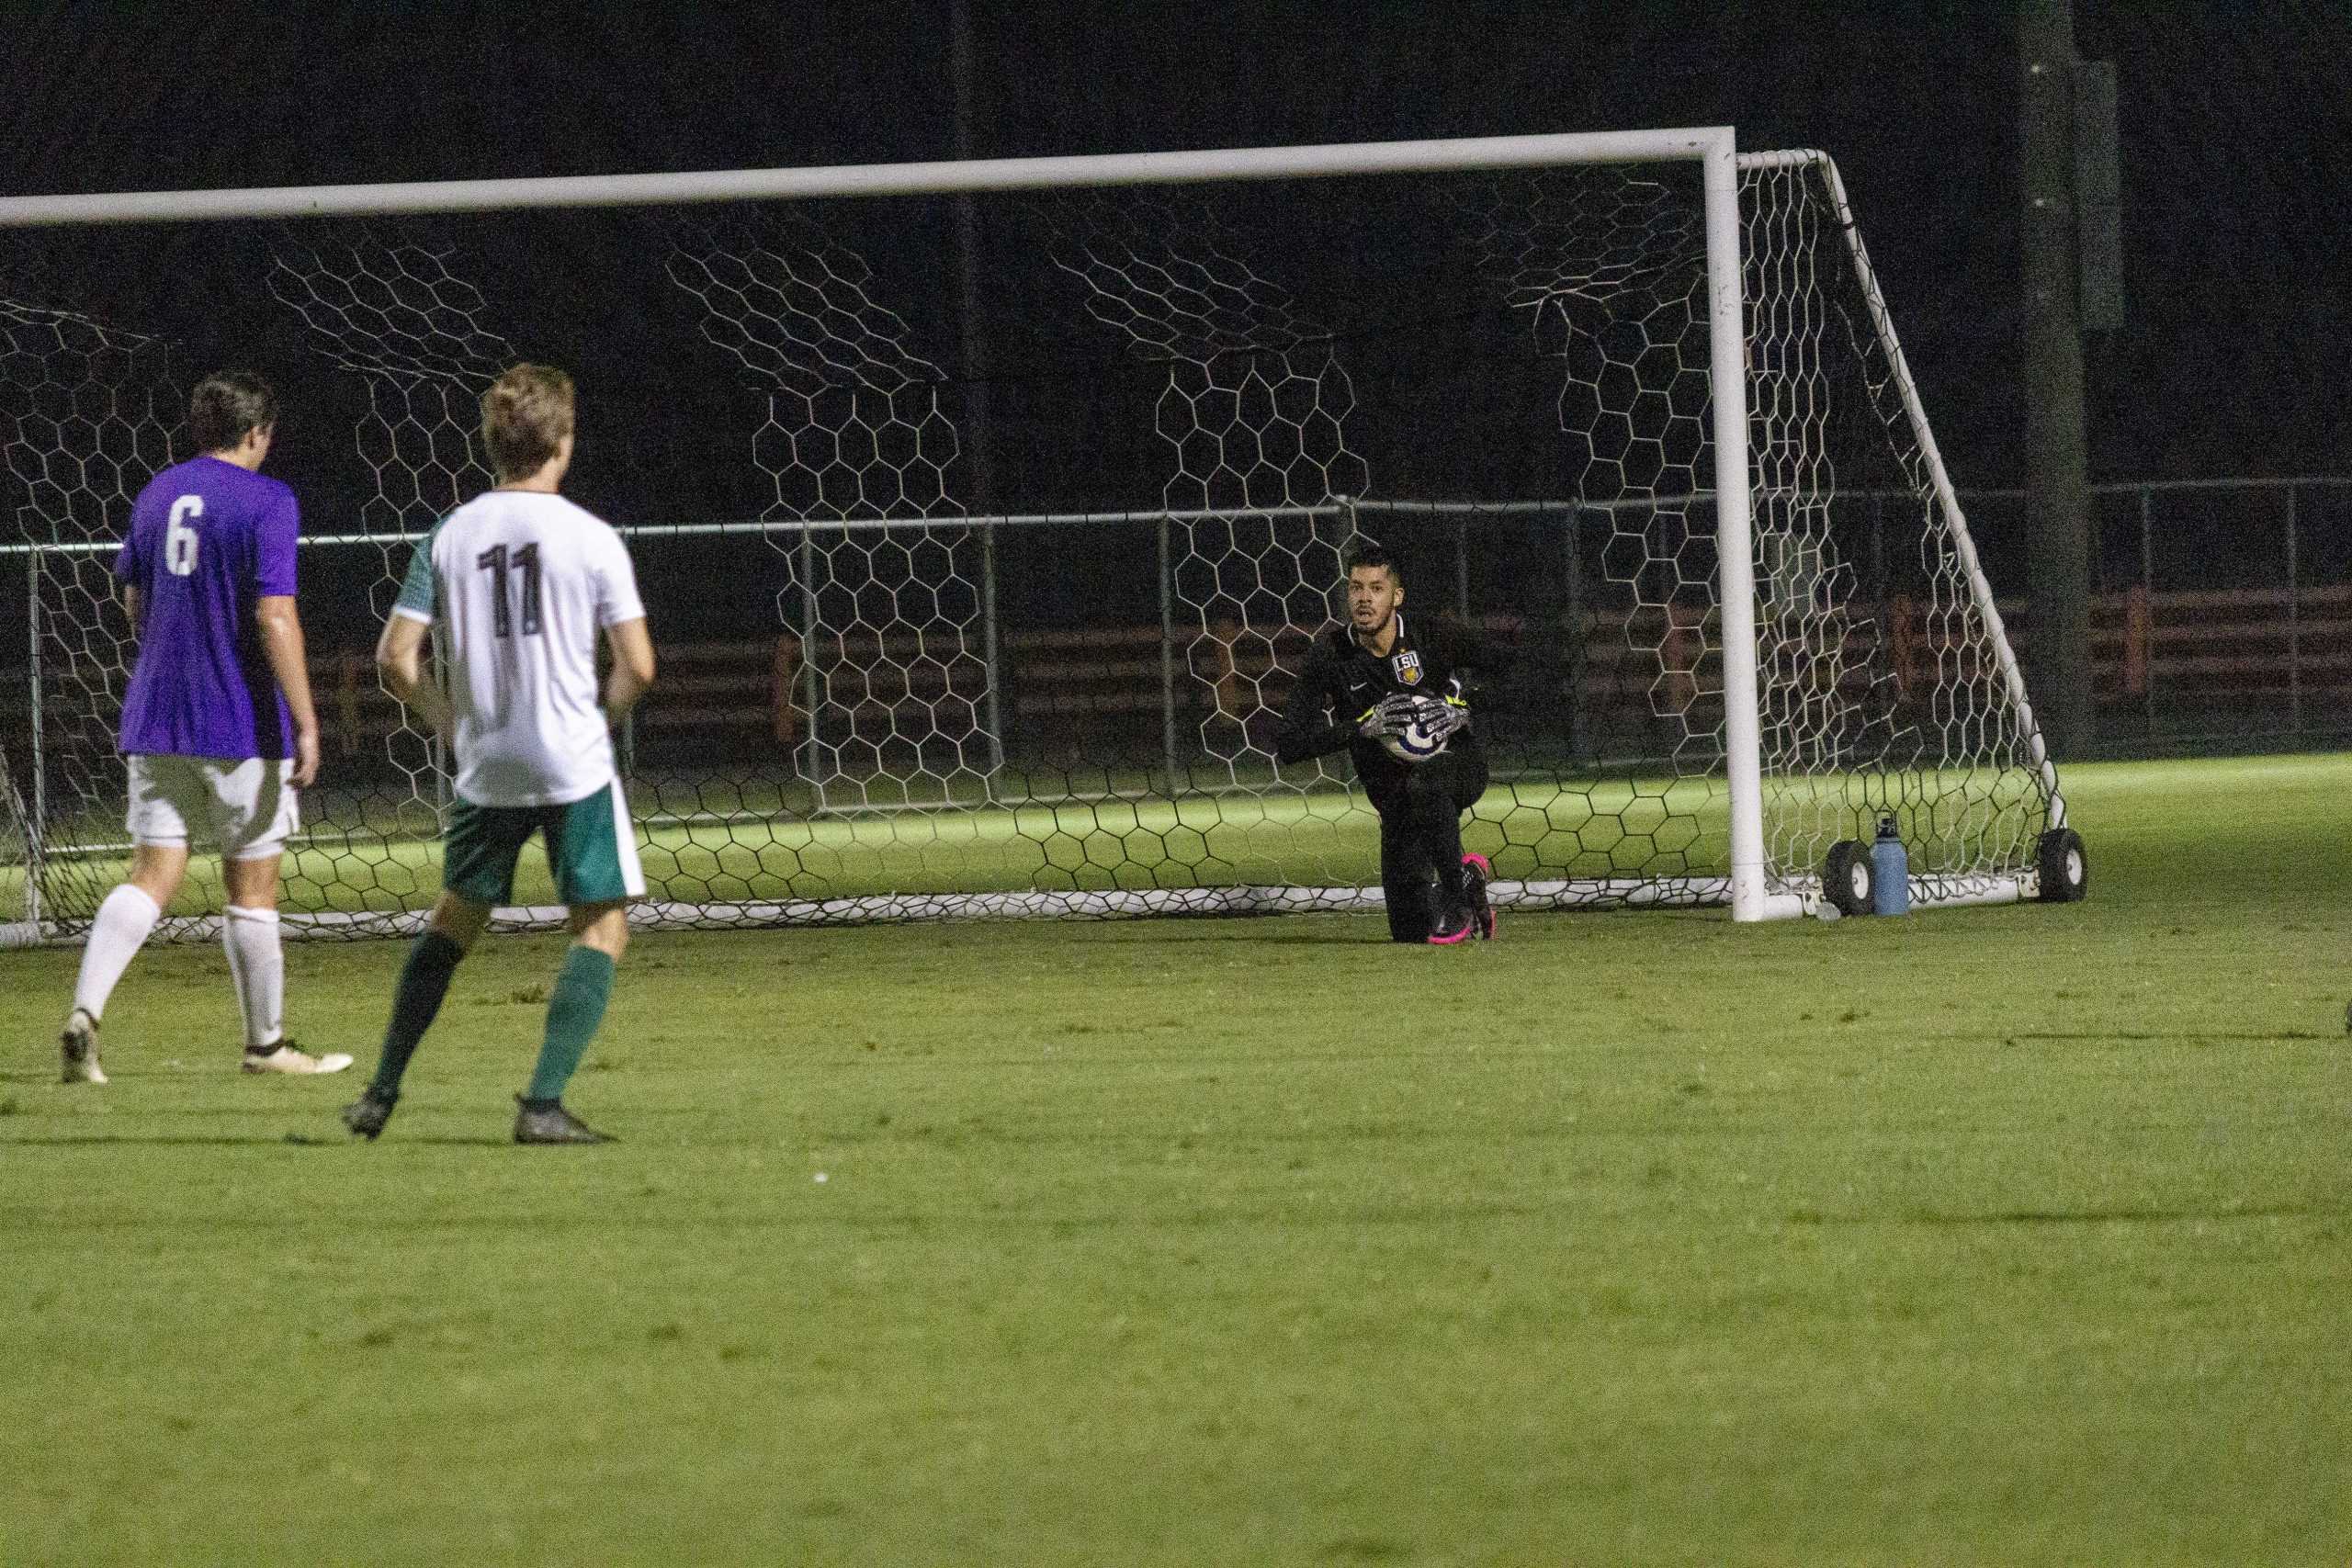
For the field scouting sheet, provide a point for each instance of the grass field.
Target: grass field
(2004, 1235)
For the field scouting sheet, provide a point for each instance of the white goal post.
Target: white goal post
(1810, 708)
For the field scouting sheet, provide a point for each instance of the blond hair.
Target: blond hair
(524, 417)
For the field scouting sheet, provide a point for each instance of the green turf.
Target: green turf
(2002, 1236)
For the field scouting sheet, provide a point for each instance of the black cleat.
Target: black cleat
(368, 1114)
(1475, 874)
(552, 1124)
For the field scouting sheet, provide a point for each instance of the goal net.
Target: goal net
(985, 512)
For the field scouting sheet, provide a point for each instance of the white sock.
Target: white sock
(116, 936)
(258, 965)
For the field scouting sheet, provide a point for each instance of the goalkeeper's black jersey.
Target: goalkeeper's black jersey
(1342, 679)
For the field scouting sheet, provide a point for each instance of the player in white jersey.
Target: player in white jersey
(514, 589)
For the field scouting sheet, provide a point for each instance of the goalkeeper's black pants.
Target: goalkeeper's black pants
(1420, 838)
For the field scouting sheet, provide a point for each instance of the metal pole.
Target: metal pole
(1877, 555)
(2056, 444)
(1572, 611)
(2295, 624)
(2148, 588)
(1345, 160)
(1461, 569)
(1167, 660)
(988, 653)
(36, 830)
(808, 754)
(1751, 898)
(969, 298)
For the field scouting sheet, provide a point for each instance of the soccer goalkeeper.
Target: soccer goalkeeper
(1397, 700)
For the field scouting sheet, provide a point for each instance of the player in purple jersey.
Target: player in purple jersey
(218, 730)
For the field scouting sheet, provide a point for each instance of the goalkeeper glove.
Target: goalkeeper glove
(1393, 714)
(1441, 719)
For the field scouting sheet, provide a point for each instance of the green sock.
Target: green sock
(425, 980)
(575, 1010)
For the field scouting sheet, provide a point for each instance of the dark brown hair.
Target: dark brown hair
(225, 405)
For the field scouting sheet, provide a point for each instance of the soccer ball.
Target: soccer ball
(1414, 743)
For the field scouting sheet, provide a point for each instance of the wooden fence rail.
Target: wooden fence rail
(2210, 646)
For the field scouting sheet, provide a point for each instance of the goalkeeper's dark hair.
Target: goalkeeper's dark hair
(225, 405)
(1372, 553)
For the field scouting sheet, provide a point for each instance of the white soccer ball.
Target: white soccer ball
(1414, 743)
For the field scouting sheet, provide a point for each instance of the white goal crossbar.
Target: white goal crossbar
(972, 177)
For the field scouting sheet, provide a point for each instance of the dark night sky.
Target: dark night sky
(2237, 123)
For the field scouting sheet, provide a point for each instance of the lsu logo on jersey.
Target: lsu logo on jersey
(1406, 665)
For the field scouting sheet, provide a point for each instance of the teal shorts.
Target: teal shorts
(592, 849)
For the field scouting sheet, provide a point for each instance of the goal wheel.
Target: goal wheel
(1845, 877)
(2066, 872)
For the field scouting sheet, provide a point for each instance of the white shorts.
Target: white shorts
(247, 808)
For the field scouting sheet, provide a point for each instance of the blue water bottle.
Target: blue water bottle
(1890, 871)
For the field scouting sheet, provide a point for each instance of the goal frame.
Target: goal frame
(1713, 148)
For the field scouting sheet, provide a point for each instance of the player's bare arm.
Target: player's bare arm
(400, 660)
(632, 674)
(281, 642)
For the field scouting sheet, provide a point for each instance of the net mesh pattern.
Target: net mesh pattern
(1610, 274)
(1869, 706)
(89, 410)
(397, 317)
(19, 872)
(1889, 704)
(880, 568)
(1253, 413)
